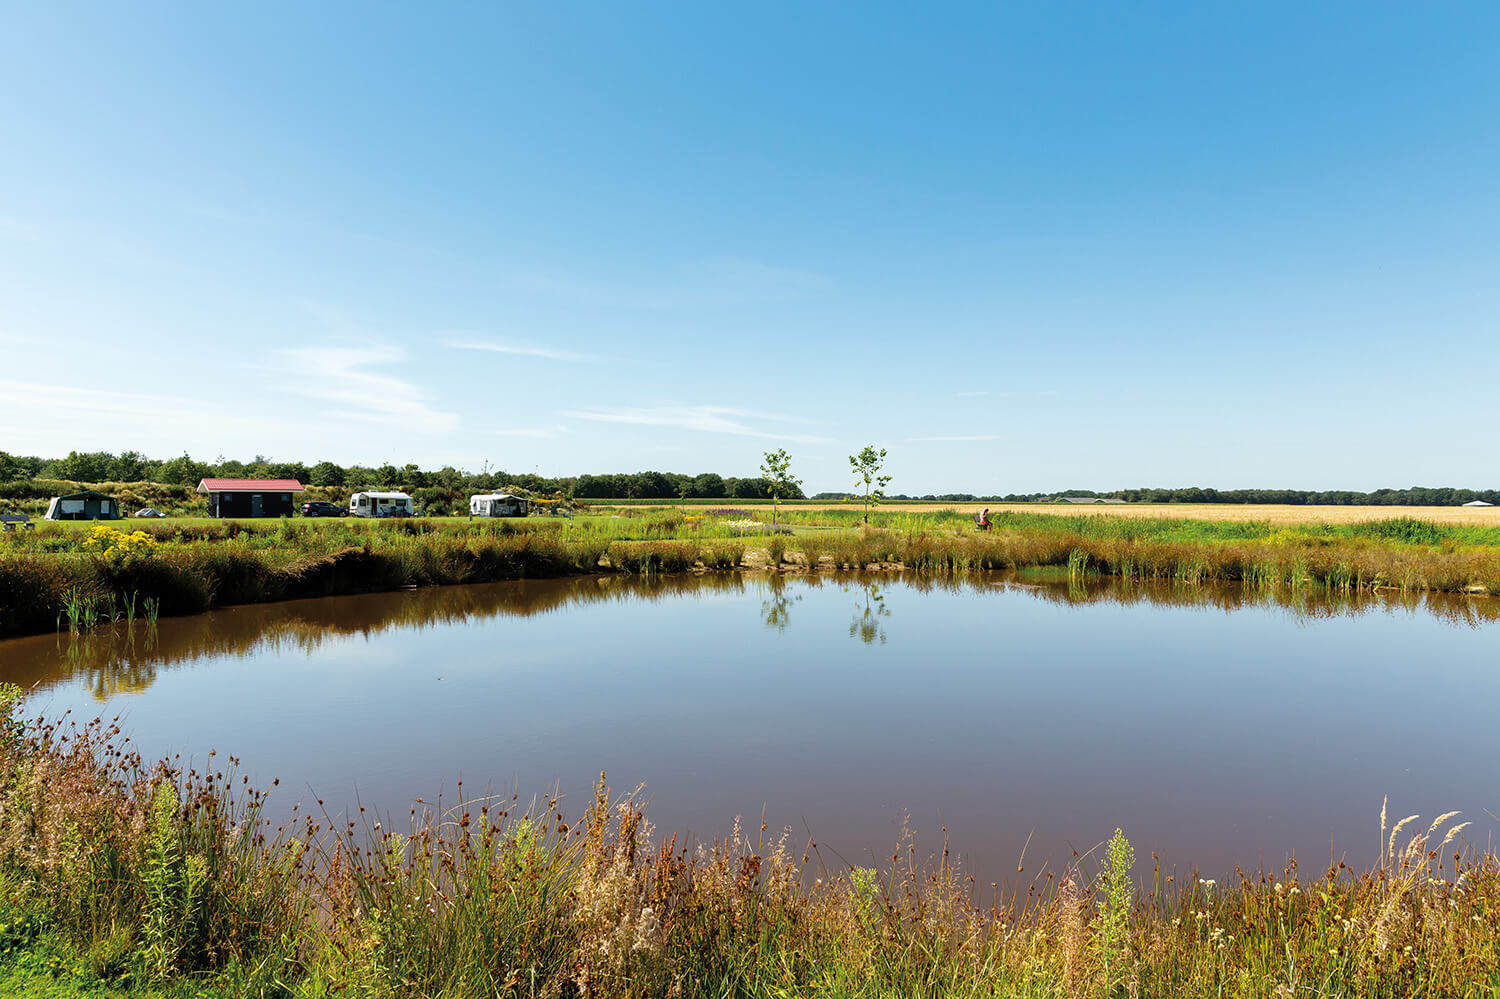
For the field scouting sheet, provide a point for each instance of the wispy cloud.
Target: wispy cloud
(36, 398)
(704, 419)
(519, 350)
(341, 375)
(961, 437)
(535, 432)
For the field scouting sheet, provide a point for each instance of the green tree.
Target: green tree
(290, 470)
(183, 471)
(78, 466)
(708, 485)
(866, 466)
(10, 468)
(777, 472)
(128, 467)
(326, 473)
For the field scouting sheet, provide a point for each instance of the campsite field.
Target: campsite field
(1237, 512)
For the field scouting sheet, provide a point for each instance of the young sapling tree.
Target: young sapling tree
(866, 466)
(776, 470)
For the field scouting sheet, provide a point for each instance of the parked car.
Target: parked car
(321, 508)
(149, 512)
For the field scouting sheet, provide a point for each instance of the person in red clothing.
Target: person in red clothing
(982, 522)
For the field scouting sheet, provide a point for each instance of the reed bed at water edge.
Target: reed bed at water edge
(57, 577)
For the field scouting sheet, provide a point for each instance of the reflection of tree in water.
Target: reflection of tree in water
(776, 608)
(118, 659)
(867, 625)
(115, 659)
(108, 662)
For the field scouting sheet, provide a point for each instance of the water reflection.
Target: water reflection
(868, 624)
(123, 660)
(776, 607)
(1219, 724)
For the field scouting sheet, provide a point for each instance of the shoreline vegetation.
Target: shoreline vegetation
(77, 575)
(122, 875)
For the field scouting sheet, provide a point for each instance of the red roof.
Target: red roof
(249, 486)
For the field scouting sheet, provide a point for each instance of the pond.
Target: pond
(1215, 727)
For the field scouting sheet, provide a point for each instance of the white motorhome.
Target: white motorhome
(498, 505)
(373, 504)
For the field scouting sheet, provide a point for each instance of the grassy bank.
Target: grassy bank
(74, 576)
(120, 873)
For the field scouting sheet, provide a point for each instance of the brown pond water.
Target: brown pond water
(1214, 726)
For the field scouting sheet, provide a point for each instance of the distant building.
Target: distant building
(83, 505)
(1478, 503)
(250, 497)
(1089, 499)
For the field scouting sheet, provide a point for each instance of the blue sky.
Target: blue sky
(1021, 246)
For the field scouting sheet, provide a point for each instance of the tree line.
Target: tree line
(132, 466)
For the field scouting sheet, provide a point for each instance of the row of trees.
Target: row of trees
(1413, 496)
(132, 466)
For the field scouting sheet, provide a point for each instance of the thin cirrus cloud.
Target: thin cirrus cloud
(520, 350)
(960, 437)
(703, 419)
(342, 375)
(77, 414)
(533, 432)
(26, 399)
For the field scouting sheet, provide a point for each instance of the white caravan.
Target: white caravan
(381, 505)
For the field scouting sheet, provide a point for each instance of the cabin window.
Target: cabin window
(71, 506)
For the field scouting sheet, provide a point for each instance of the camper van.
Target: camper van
(498, 505)
(381, 505)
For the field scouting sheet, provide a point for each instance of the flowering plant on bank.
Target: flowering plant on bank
(118, 546)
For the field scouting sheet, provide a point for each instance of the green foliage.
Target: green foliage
(10, 468)
(866, 466)
(167, 883)
(1407, 530)
(776, 469)
(1116, 900)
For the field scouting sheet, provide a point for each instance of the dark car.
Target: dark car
(321, 508)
